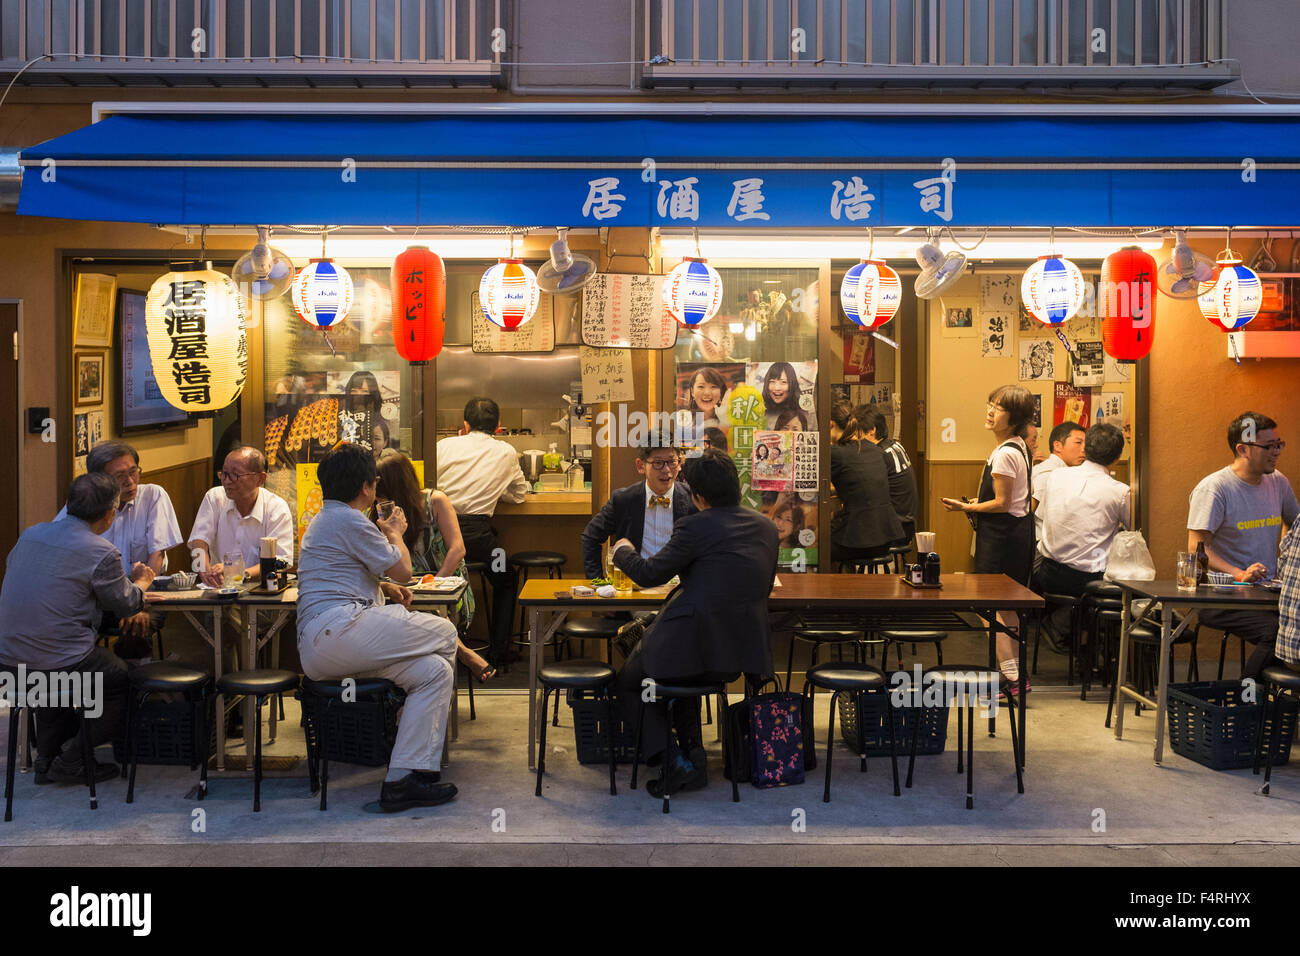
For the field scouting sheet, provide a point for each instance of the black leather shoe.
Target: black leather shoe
(411, 791)
(42, 769)
(682, 775)
(63, 772)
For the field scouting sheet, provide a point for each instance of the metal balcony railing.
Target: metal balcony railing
(252, 41)
(936, 42)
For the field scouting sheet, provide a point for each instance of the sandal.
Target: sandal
(486, 674)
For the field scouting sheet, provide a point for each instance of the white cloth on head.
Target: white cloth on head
(220, 524)
(476, 471)
(1082, 509)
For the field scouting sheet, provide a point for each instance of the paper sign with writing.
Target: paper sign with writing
(1089, 365)
(995, 333)
(1070, 404)
(626, 311)
(535, 335)
(606, 374)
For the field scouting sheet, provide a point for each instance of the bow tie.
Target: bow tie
(656, 501)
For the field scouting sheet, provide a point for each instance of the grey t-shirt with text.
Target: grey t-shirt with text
(1244, 520)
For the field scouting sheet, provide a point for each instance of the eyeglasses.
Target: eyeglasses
(663, 464)
(121, 476)
(1273, 446)
(234, 476)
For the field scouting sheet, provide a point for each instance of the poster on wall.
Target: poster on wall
(1037, 360)
(1109, 409)
(535, 335)
(995, 334)
(796, 526)
(81, 435)
(606, 374)
(704, 391)
(859, 357)
(961, 317)
(772, 464)
(95, 427)
(789, 393)
(1071, 404)
(999, 294)
(1117, 372)
(1037, 420)
(1088, 364)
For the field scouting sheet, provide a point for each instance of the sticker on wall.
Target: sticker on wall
(1118, 373)
(789, 392)
(859, 357)
(1110, 410)
(81, 434)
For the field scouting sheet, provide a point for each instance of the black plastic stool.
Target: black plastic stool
(478, 647)
(855, 679)
(577, 675)
(367, 724)
(1145, 639)
(259, 684)
(1223, 651)
(967, 680)
(523, 562)
(1276, 678)
(481, 569)
(87, 752)
(586, 629)
(165, 678)
(673, 693)
(899, 636)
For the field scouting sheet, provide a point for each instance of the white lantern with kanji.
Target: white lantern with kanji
(1052, 289)
(322, 294)
(870, 293)
(508, 293)
(1233, 296)
(693, 292)
(194, 324)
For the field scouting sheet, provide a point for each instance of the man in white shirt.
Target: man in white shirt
(1067, 444)
(238, 514)
(476, 471)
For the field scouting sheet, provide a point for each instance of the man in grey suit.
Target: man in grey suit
(714, 626)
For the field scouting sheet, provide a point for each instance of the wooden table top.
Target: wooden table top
(959, 591)
(206, 600)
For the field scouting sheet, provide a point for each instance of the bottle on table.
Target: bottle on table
(1202, 563)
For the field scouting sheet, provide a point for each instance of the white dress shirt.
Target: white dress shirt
(1040, 475)
(658, 523)
(476, 471)
(145, 524)
(1082, 510)
(220, 524)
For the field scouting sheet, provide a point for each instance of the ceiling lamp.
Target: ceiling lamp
(419, 288)
(870, 293)
(508, 293)
(194, 324)
(1126, 302)
(1233, 295)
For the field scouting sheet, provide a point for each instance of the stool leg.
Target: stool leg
(970, 756)
(663, 764)
(1015, 752)
(862, 731)
(708, 710)
(469, 682)
(609, 738)
(830, 746)
(789, 661)
(636, 751)
(555, 721)
(960, 749)
(1271, 737)
(541, 743)
(916, 733)
(202, 743)
(130, 744)
(1223, 653)
(726, 745)
(893, 747)
(257, 760)
(810, 733)
(11, 759)
(88, 760)
(324, 757)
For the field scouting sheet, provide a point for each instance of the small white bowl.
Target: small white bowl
(183, 580)
(1218, 579)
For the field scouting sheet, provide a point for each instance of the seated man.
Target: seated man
(1288, 604)
(643, 513)
(143, 531)
(345, 629)
(716, 625)
(1237, 513)
(1067, 444)
(236, 516)
(60, 576)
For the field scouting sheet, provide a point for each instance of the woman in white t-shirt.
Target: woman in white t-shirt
(1004, 536)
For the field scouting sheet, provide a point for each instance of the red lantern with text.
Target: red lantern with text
(1126, 302)
(419, 288)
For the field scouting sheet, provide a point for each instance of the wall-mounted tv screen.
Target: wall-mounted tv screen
(142, 405)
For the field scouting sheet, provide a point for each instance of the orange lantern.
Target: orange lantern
(419, 288)
(1126, 302)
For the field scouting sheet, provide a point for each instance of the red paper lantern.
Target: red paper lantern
(1126, 302)
(419, 288)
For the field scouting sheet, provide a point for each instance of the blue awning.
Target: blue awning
(688, 169)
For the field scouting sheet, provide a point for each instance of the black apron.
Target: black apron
(1004, 543)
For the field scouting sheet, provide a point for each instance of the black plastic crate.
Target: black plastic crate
(589, 733)
(875, 707)
(1211, 724)
(359, 732)
(166, 732)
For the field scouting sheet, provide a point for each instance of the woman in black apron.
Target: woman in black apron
(1004, 535)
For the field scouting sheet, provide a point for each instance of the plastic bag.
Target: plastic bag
(1129, 559)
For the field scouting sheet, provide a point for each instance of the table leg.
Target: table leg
(221, 698)
(1020, 702)
(250, 702)
(1162, 685)
(1121, 665)
(534, 660)
(993, 664)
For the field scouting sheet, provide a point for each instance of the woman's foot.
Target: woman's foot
(481, 669)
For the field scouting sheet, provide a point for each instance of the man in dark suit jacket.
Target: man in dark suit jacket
(715, 625)
(645, 513)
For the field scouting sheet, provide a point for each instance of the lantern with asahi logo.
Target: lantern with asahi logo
(419, 287)
(1052, 289)
(194, 324)
(870, 293)
(508, 293)
(322, 294)
(1233, 296)
(1126, 302)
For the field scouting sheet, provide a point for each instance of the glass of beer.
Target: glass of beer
(616, 576)
(1186, 577)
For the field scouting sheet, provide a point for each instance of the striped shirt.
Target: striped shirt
(1288, 605)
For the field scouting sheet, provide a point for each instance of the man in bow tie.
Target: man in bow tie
(643, 513)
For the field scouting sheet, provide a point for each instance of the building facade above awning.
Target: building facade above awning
(690, 166)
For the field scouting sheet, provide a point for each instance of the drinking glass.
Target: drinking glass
(232, 569)
(384, 509)
(1186, 577)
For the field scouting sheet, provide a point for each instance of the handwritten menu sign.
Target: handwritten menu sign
(535, 335)
(626, 311)
(606, 374)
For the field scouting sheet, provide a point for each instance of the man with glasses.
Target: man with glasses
(643, 513)
(145, 527)
(1238, 513)
(235, 516)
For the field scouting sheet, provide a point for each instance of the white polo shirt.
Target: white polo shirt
(1082, 510)
(476, 471)
(220, 524)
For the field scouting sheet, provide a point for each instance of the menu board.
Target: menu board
(606, 374)
(535, 335)
(626, 311)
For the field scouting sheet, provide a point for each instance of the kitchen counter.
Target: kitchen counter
(549, 503)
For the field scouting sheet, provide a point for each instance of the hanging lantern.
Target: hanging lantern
(508, 293)
(1126, 302)
(870, 293)
(1232, 297)
(322, 294)
(419, 285)
(693, 292)
(1052, 289)
(194, 323)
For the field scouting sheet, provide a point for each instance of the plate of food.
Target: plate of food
(434, 584)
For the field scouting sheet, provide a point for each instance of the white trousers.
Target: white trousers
(416, 651)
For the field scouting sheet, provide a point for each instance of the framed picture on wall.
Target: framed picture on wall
(88, 378)
(93, 311)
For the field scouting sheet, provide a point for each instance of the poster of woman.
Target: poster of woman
(786, 387)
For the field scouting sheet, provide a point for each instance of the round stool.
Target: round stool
(898, 552)
(524, 561)
(1146, 637)
(163, 678)
(586, 629)
(855, 679)
(899, 636)
(673, 693)
(481, 569)
(363, 733)
(967, 681)
(259, 684)
(577, 675)
(818, 633)
(1276, 679)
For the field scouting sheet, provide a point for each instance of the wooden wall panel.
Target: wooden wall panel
(185, 485)
(951, 479)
